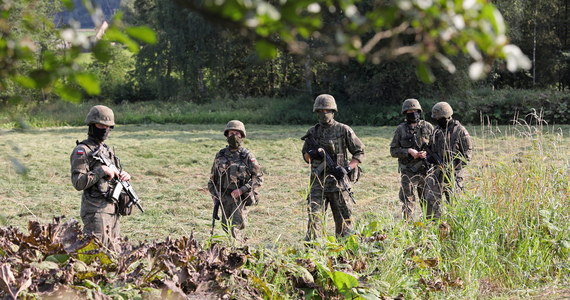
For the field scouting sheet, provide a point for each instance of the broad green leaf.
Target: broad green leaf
(322, 268)
(344, 282)
(113, 34)
(92, 285)
(424, 73)
(50, 61)
(265, 50)
(89, 83)
(94, 253)
(102, 51)
(58, 258)
(68, 93)
(352, 243)
(25, 81)
(142, 33)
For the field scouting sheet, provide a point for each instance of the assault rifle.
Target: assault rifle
(120, 184)
(432, 156)
(338, 172)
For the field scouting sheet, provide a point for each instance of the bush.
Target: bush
(499, 106)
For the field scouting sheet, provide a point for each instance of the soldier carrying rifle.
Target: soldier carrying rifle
(234, 181)
(450, 150)
(409, 146)
(326, 148)
(97, 172)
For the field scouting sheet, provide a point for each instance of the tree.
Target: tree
(32, 55)
(427, 30)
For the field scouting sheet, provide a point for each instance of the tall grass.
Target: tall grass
(506, 235)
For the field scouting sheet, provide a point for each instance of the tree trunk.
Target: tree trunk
(308, 75)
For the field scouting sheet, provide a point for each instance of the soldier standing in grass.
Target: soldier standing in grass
(450, 150)
(234, 180)
(408, 145)
(330, 184)
(98, 212)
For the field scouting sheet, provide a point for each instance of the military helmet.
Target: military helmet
(441, 110)
(411, 104)
(235, 125)
(100, 114)
(324, 101)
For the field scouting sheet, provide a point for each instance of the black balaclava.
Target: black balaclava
(325, 118)
(413, 117)
(443, 122)
(98, 134)
(235, 141)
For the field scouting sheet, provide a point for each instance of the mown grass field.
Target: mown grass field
(170, 165)
(518, 174)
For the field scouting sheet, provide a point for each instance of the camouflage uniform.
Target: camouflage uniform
(412, 170)
(232, 170)
(452, 144)
(98, 213)
(336, 138)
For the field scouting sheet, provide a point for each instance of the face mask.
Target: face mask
(442, 122)
(235, 141)
(98, 134)
(325, 118)
(413, 117)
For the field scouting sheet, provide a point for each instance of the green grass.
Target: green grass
(509, 230)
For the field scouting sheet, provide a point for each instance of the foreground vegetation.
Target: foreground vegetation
(506, 236)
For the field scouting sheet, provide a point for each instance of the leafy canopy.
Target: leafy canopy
(35, 54)
(428, 30)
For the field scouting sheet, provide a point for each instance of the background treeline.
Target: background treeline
(197, 61)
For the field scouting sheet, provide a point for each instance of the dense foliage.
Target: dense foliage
(481, 106)
(39, 61)
(200, 57)
(203, 57)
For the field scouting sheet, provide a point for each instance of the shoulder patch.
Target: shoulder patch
(253, 159)
(80, 151)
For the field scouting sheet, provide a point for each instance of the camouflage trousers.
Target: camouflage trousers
(106, 227)
(410, 185)
(234, 216)
(340, 204)
(440, 183)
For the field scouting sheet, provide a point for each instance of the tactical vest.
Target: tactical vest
(416, 137)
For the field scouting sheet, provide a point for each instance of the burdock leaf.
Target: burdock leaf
(6, 279)
(24, 282)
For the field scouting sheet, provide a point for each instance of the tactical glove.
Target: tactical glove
(315, 154)
(339, 172)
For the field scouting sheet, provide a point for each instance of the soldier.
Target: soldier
(330, 184)
(235, 179)
(450, 150)
(408, 145)
(98, 212)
